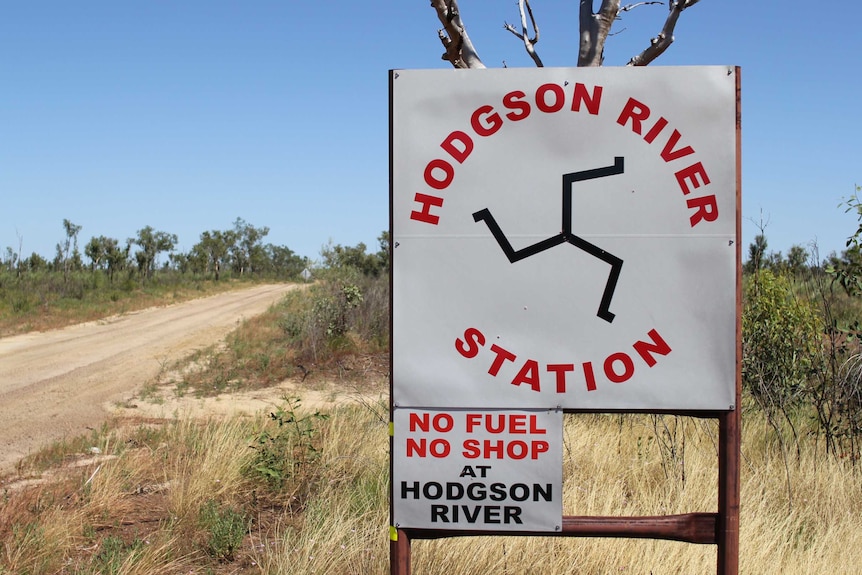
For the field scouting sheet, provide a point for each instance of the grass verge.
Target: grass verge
(49, 308)
(184, 497)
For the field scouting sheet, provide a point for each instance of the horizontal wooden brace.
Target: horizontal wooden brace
(698, 528)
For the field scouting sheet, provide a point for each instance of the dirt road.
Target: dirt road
(55, 384)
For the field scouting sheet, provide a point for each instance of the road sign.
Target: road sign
(497, 470)
(565, 237)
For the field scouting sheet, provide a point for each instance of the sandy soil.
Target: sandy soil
(62, 383)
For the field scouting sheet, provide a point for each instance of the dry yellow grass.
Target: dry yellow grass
(621, 470)
(632, 465)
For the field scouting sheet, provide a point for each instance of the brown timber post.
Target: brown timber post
(728, 494)
(399, 552)
(730, 423)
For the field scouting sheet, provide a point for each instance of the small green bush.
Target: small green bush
(113, 554)
(782, 341)
(286, 452)
(226, 527)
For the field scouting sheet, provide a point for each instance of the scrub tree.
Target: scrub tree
(152, 243)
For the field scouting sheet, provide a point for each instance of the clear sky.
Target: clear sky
(184, 115)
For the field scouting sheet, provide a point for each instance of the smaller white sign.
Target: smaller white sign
(477, 469)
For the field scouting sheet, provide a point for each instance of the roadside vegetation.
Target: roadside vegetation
(302, 487)
(112, 277)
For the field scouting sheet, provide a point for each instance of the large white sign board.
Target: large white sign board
(564, 237)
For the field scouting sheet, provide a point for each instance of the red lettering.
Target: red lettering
(539, 447)
(560, 369)
(489, 423)
(494, 121)
(559, 98)
(529, 374)
(439, 448)
(655, 130)
(645, 350)
(668, 153)
(459, 154)
(617, 368)
(690, 173)
(589, 375)
(706, 206)
(445, 167)
(471, 449)
(499, 449)
(534, 426)
(441, 422)
(420, 421)
(447, 422)
(517, 449)
(493, 447)
(707, 209)
(469, 346)
(417, 449)
(517, 423)
(473, 420)
(634, 111)
(638, 113)
(512, 101)
(628, 367)
(581, 96)
(425, 215)
(502, 355)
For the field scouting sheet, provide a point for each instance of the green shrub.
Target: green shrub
(113, 554)
(285, 453)
(344, 312)
(782, 342)
(226, 527)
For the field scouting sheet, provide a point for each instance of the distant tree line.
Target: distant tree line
(239, 251)
(844, 268)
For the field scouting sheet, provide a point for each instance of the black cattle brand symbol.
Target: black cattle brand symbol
(566, 236)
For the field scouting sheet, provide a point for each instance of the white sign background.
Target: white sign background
(677, 285)
(501, 492)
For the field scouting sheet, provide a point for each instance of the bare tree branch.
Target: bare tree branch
(594, 28)
(665, 38)
(529, 43)
(628, 7)
(459, 49)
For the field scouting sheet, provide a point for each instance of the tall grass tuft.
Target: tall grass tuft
(205, 463)
(40, 546)
(344, 527)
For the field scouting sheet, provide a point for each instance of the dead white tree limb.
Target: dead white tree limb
(459, 49)
(529, 43)
(594, 28)
(665, 38)
(629, 7)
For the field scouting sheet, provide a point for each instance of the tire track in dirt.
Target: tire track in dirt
(54, 384)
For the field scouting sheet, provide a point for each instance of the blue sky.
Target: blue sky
(186, 115)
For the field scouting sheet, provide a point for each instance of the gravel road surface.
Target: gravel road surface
(57, 384)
